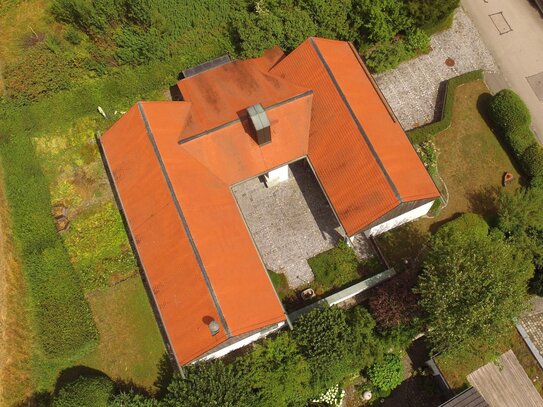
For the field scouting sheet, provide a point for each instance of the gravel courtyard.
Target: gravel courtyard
(289, 222)
(412, 88)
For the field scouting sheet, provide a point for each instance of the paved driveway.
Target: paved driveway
(513, 32)
(412, 88)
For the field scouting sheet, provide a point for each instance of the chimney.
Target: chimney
(261, 124)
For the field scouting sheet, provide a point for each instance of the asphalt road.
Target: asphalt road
(513, 32)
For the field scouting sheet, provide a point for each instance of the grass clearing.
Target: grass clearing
(456, 366)
(130, 345)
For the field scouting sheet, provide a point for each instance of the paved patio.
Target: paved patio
(289, 222)
(412, 88)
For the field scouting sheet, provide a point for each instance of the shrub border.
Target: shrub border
(426, 132)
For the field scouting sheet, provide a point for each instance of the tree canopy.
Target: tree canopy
(472, 285)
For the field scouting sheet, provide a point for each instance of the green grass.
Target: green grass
(130, 345)
(279, 281)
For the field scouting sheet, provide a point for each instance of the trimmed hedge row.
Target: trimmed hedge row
(512, 120)
(425, 133)
(60, 312)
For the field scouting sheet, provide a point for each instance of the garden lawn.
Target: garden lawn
(130, 345)
(471, 162)
(456, 367)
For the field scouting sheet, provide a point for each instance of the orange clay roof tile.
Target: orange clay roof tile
(173, 164)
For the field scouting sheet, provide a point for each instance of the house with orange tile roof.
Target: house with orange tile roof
(174, 163)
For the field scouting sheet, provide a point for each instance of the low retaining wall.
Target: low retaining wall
(345, 294)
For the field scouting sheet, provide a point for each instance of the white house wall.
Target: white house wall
(399, 220)
(241, 343)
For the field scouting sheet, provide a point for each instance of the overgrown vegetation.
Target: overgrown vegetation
(335, 267)
(97, 38)
(62, 316)
(393, 303)
(425, 133)
(520, 218)
(385, 376)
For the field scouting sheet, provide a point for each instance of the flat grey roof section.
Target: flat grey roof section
(504, 383)
(206, 66)
(468, 398)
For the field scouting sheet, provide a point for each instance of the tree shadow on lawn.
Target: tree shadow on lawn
(44, 398)
(403, 246)
(485, 202)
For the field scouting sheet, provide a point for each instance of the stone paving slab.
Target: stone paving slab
(412, 88)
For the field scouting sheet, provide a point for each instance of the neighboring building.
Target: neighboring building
(174, 163)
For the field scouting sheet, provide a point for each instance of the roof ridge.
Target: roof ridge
(245, 116)
(355, 119)
(183, 219)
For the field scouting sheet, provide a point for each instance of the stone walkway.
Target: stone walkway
(289, 222)
(412, 88)
(533, 324)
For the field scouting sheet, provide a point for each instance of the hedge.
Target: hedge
(532, 163)
(61, 314)
(519, 140)
(85, 391)
(512, 120)
(508, 111)
(424, 133)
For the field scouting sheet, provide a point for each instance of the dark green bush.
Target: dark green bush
(429, 13)
(386, 375)
(532, 163)
(467, 223)
(519, 140)
(388, 56)
(425, 133)
(508, 111)
(213, 384)
(85, 391)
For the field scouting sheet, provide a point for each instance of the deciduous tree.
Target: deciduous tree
(472, 286)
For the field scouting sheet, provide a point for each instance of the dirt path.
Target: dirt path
(14, 331)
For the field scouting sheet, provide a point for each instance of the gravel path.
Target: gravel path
(412, 88)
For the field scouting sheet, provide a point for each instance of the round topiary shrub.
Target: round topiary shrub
(532, 162)
(519, 139)
(508, 111)
(85, 391)
(386, 375)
